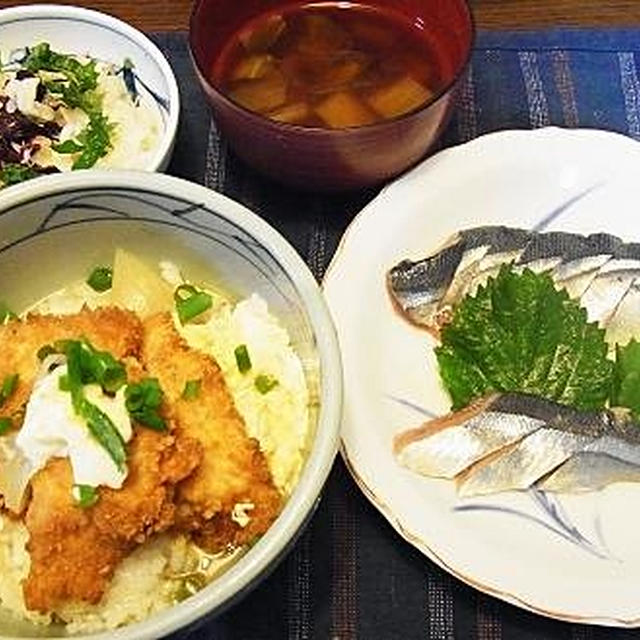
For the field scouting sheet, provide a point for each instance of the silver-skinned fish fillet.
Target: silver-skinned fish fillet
(610, 286)
(598, 269)
(625, 322)
(513, 441)
(589, 472)
(446, 446)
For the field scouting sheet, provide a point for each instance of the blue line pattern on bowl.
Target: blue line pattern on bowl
(188, 216)
(17, 57)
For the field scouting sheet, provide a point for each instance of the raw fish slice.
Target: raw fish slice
(611, 284)
(584, 257)
(511, 441)
(625, 322)
(502, 244)
(547, 250)
(566, 433)
(416, 288)
(590, 472)
(523, 464)
(579, 283)
(446, 446)
(622, 443)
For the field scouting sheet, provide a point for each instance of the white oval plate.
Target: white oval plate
(573, 557)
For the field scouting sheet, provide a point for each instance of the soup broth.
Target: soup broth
(328, 65)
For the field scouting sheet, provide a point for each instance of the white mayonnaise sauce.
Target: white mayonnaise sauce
(52, 429)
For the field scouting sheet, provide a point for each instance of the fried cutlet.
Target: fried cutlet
(233, 469)
(109, 329)
(75, 551)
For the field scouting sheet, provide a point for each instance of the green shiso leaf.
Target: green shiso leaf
(519, 334)
(626, 379)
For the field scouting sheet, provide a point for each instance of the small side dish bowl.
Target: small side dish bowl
(55, 229)
(349, 155)
(92, 34)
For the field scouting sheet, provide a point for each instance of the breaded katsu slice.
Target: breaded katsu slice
(108, 329)
(74, 551)
(233, 471)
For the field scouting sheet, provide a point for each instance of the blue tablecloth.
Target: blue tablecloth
(350, 576)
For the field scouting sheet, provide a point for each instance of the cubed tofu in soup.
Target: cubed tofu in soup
(341, 110)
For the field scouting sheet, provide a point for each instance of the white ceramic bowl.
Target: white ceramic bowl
(86, 32)
(55, 228)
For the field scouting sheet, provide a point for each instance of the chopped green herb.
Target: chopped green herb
(66, 147)
(5, 425)
(191, 302)
(80, 78)
(5, 313)
(9, 385)
(100, 279)
(626, 379)
(98, 367)
(77, 90)
(191, 389)
(99, 423)
(143, 401)
(265, 383)
(518, 333)
(243, 361)
(13, 173)
(84, 495)
(95, 140)
(63, 383)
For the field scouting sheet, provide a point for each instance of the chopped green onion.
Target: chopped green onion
(84, 495)
(5, 425)
(191, 302)
(45, 351)
(99, 423)
(191, 389)
(9, 385)
(63, 383)
(243, 361)
(265, 383)
(105, 432)
(5, 313)
(95, 366)
(100, 279)
(143, 400)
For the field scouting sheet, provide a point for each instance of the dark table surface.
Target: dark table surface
(350, 575)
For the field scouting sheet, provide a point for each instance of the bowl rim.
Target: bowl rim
(46, 11)
(263, 556)
(278, 126)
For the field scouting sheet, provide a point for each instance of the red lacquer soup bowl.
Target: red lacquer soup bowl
(325, 156)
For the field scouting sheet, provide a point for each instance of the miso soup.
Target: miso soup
(331, 65)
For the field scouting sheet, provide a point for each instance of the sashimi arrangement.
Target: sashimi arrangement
(538, 353)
